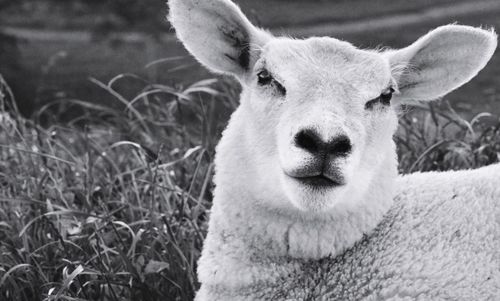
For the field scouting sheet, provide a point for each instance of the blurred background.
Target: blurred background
(50, 48)
(108, 129)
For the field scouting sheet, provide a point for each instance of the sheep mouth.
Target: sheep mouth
(319, 181)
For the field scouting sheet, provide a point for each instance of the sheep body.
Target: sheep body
(439, 241)
(308, 204)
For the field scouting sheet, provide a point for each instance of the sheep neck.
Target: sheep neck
(242, 219)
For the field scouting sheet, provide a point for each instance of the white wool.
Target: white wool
(439, 241)
(374, 235)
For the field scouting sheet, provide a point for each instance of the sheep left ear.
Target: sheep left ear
(441, 61)
(218, 35)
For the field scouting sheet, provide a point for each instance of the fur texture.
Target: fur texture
(439, 241)
(295, 219)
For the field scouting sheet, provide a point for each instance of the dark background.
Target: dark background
(50, 48)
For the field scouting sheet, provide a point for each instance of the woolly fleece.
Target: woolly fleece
(439, 241)
(376, 236)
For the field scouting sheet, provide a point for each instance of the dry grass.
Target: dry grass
(112, 205)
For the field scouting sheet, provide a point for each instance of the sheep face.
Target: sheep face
(322, 111)
(317, 116)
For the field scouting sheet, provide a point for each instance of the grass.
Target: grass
(112, 204)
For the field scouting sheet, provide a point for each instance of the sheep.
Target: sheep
(308, 203)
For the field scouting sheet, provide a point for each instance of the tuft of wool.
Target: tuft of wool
(439, 241)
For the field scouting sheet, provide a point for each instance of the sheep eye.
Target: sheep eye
(384, 98)
(265, 79)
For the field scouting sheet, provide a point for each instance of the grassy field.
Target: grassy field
(112, 203)
(114, 208)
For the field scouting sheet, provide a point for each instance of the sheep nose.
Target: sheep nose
(310, 141)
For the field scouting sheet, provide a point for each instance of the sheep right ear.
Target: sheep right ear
(441, 61)
(217, 34)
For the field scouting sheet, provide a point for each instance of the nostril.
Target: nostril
(340, 146)
(308, 140)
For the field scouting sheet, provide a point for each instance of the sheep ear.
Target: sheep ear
(217, 34)
(441, 61)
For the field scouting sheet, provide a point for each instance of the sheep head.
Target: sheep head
(315, 127)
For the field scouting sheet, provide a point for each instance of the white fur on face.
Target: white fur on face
(328, 82)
